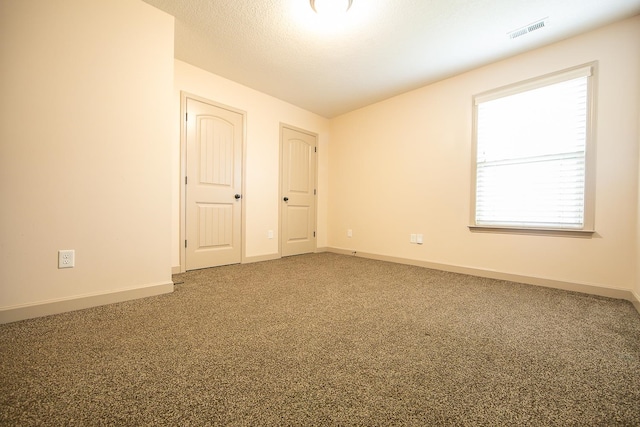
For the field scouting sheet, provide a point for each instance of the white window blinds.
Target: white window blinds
(530, 153)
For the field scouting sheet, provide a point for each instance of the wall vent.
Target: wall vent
(528, 28)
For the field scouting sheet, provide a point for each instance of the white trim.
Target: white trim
(585, 288)
(584, 70)
(260, 258)
(176, 269)
(635, 300)
(80, 302)
(535, 83)
(62, 305)
(569, 232)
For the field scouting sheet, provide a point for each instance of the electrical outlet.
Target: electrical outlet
(419, 239)
(412, 238)
(270, 234)
(349, 233)
(66, 259)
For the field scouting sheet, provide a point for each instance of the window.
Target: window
(533, 154)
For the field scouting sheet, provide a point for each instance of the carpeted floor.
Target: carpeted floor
(325, 339)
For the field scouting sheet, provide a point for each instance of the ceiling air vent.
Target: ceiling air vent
(528, 28)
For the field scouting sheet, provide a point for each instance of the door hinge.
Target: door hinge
(314, 234)
(314, 191)
(315, 149)
(186, 117)
(185, 180)
(185, 243)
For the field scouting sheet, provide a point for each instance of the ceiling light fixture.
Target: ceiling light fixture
(332, 7)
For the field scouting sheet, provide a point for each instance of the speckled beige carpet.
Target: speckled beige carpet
(324, 339)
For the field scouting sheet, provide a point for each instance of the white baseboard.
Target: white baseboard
(635, 300)
(46, 308)
(177, 269)
(251, 259)
(271, 257)
(260, 258)
(616, 293)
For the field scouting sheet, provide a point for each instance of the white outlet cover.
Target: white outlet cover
(66, 258)
(412, 238)
(419, 239)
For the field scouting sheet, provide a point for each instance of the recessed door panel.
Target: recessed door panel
(299, 221)
(300, 157)
(215, 225)
(215, 138)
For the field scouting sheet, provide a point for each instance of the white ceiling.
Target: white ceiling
(380, 49)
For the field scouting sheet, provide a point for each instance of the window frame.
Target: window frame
(588, 229)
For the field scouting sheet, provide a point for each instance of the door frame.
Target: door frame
(315, 186)
(183, 174)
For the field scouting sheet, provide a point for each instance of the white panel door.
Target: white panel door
(298, 191)
(214, 138)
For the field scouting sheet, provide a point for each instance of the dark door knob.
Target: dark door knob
(238, 196)
(286, 199)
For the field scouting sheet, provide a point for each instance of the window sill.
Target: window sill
(566, 232)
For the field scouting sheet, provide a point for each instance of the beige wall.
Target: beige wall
(84, 148)
(264, 115)
(403, 166)
(89, 145)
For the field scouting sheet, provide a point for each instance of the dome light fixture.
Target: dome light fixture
(332, 7)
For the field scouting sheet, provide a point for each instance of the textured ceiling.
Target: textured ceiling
(381, 48)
